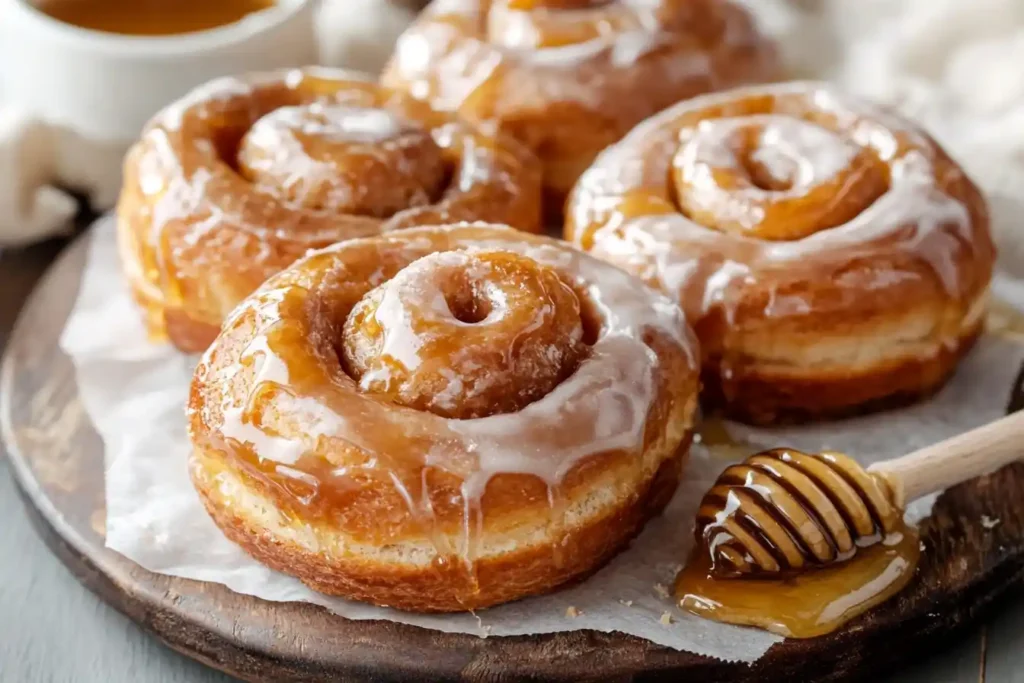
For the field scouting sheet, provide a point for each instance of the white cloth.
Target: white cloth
(30, 208)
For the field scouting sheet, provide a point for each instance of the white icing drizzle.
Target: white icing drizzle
(403, 294)
(415, 290)
(794, 152)
(614, 386)
(219, 89)
(342, 158)
(229, 88)
(328, 122)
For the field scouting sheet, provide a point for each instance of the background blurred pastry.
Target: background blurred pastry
(569, 77)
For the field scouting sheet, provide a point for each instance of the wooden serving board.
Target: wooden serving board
(57, 461)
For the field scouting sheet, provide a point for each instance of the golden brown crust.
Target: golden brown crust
(760, 396)
(876, 301)
(436, 587)
(325, 444)
(570, 78)
(244, 175)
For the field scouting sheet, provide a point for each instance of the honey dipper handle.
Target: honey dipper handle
(939, 466)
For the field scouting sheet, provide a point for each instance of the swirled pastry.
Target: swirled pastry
(831, 256)
(444, 418)
(569, 77)
(244, 175)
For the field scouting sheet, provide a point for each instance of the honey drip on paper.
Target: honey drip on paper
(713, 434)
(151, 17)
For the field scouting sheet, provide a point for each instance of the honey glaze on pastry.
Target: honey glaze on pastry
(443, 418)
(244, 175)
(830, 255)
(569, 77)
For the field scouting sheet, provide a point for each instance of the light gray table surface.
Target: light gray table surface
(53, 630)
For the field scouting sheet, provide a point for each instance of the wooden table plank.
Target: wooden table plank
(1004, 662)
(53, 630)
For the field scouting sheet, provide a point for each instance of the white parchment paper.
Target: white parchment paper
(135, 391)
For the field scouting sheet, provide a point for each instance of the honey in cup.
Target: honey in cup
(150, 17)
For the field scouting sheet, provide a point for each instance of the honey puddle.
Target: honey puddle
(1005, 321)
(713, 434)
(805, 604)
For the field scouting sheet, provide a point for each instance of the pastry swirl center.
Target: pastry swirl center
(466, 334)
(344, 159)
(773, 176)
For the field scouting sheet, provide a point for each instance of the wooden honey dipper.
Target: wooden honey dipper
(783, 510)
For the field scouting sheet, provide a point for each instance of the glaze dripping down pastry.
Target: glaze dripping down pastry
(443, 418)
(569, 77)
(830, 255)
(244, 175)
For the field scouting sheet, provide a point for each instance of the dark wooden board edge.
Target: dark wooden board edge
(967, 567)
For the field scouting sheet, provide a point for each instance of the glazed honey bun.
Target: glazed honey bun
(443, 418)
(830, 255)
(569, 77)
(244, 175)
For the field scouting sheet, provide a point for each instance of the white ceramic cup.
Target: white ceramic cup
(106, 86)
(97, 90)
